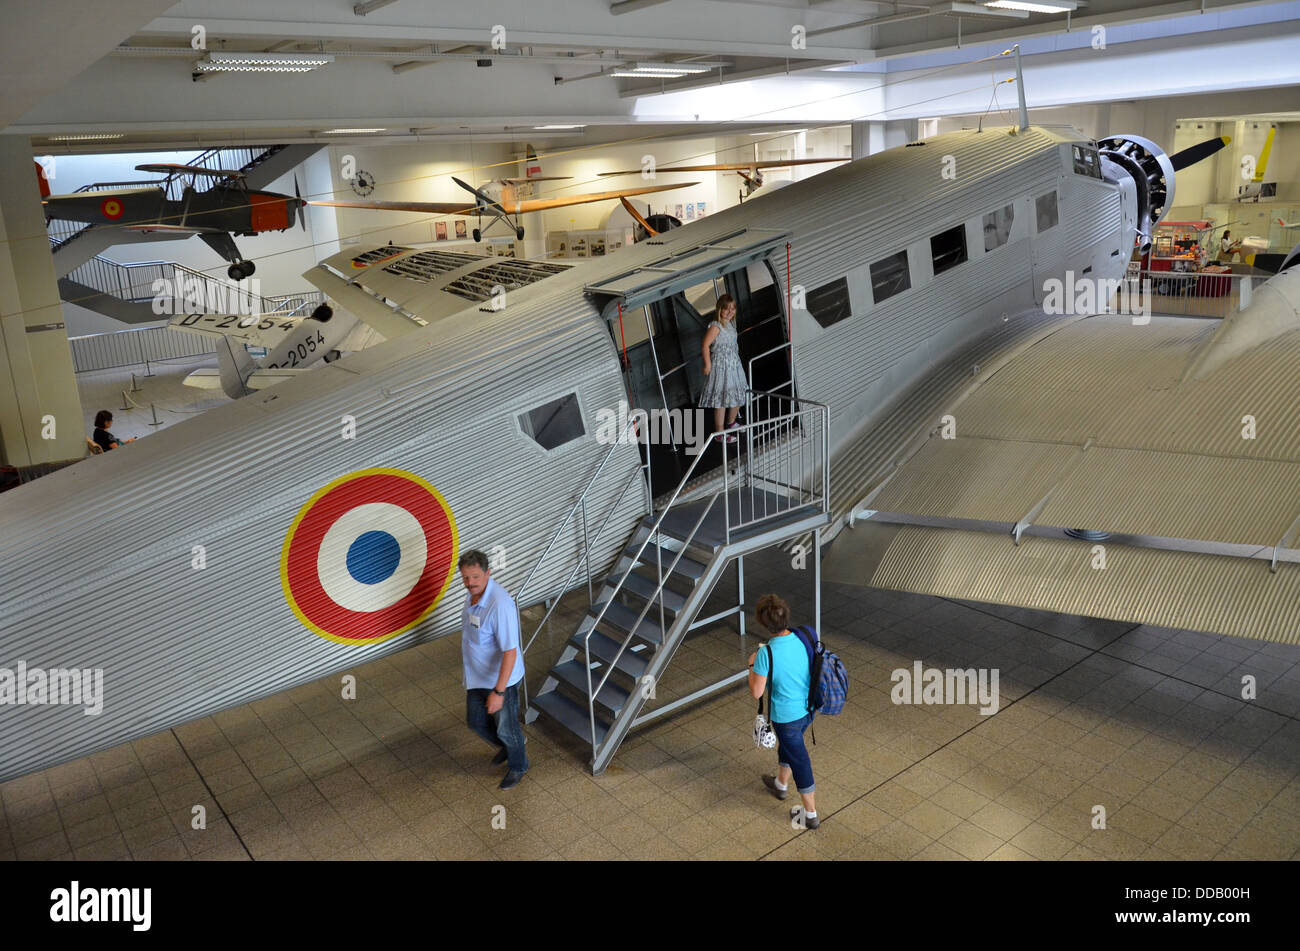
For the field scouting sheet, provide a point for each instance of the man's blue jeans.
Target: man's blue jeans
(502, 728)
(791, 752)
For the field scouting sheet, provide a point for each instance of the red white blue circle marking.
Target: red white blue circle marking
(369, 556)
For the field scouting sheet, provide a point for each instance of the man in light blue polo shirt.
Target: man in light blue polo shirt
(494, 665)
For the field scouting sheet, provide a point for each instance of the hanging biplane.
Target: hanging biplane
(884, 298)
(227, 208)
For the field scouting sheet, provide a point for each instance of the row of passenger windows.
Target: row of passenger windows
(830, 303)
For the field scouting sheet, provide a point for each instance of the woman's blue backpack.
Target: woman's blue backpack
(829, 684)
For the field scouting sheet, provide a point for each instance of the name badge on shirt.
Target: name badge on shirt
(475, 620)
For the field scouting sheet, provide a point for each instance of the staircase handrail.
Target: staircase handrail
(579, 501)
(658, 595)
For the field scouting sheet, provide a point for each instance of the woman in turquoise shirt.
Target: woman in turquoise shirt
(791, 679)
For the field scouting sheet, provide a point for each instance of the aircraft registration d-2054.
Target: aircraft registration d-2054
(304, 530)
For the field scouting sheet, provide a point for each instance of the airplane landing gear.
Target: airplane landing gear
(478, 235)
(241, 269)
(519, 233)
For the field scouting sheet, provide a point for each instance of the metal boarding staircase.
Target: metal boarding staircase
(774, 487)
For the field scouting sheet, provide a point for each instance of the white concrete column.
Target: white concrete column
(37, 383)
(868, 138)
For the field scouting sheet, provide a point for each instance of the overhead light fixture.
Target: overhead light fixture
(559, 126)
(977, 10)
(664, 70)
(220, 62)
(87, 136)
(350, 131)
(1035, 6)
(780, 132)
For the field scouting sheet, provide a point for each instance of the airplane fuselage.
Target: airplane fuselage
(437, 425)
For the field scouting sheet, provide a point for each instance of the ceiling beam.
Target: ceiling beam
(370, 6)
(631, 6)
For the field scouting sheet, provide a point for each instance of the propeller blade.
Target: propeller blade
(484, 200)
(1197, 152)
(302, 216)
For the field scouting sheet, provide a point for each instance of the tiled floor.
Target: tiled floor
(1147, 723)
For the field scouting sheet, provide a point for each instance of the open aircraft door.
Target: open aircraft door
(658, 315)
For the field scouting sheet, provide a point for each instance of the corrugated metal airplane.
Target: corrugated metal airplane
(304, 530)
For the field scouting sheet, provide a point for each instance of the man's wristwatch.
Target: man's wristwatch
(499, 693)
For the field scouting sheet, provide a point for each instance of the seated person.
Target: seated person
(105, 439)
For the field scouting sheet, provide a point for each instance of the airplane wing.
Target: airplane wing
(544, 204)
(428, 207)
(510, 207)
(257, 330)
(209, 378)
(261, 379)
(184, 230)
(1152, 471)
(735, 166)
(205, 378)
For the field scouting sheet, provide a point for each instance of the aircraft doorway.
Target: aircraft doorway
(664, 364)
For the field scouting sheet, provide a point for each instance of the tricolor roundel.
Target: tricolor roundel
(369, 556)
(111, 208)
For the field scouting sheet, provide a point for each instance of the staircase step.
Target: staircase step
(570, 715)
(698, 549)
(645, 588)
(686, 566)
(574, 673)
(604, 648)
(621, 618)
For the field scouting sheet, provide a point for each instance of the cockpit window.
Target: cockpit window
(553, 424)
(1086, 161)
(997, 227)
(1047, 213)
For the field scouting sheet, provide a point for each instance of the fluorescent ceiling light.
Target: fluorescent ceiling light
(559, 126)
(780, 132)
(350, 131)
(976, 10)
(87, 137)
(1035, 6)
(219, 62)
(667, 70)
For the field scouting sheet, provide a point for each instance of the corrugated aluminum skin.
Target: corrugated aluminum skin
(97, 557)
(1167, 458)
(1234, 596)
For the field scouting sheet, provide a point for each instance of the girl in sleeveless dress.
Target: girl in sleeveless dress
(724, 375)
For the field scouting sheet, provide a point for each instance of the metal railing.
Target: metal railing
(746, 476)
(136, 347)
(186, 288)
(786, 450)
(588, 541)
(1184, 293)
(232, 159)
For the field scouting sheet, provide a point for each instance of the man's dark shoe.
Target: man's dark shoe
(501, 757)
(511, 780)
(770, 782)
